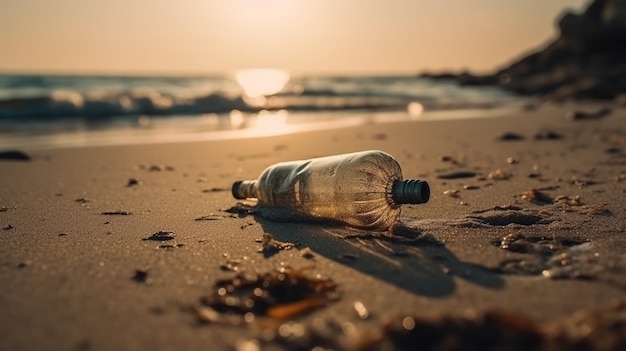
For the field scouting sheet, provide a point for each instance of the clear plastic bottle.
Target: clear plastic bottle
(362, 189)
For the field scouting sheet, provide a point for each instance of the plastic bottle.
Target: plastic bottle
(362, 189)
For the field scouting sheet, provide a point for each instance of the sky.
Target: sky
(306, 36)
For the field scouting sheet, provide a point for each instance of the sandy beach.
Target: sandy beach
(119, 247)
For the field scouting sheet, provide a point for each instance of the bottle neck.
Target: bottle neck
(410, 191)
(245, 189)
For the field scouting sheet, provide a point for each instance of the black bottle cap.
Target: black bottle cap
(410, 191)
(236, 191)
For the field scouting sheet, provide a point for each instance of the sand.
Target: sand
(77, 274)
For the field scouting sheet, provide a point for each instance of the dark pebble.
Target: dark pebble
(14, 155)
(613, 150)
(548, 135)
(510, 136)
(457, 175)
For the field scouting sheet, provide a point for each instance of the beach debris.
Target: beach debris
(307, 253)
(499, 174)
(158, 168)
(452, 160)
(537, 197)
(231, 264)
(584, 116)
(215, 190)
(8, 227)
(5, 209)
(206, 315)
(457, 175)
(132, 182)
(116, 213)
(511, 160)
(511, 136)
(592, 209)
(499, 330)
(244, 226)
(170, 246)
(364, 171)
(361, 310)
(471, 187)
(551, 257)
(161, 235)
(492, 329)
(547, 135)
(500, 208)
(568, 200)
(581, 183)
(83, 200)
(240, 210)
(542, 245)
(24, 264)
(534, 174)
(279, 294)
(209, 217)
(268, 243)
(141, 276)
(488, 330)
(613, 150)
(14, 155)
(451, 193)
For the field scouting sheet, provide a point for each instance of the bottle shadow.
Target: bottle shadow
(410, 259)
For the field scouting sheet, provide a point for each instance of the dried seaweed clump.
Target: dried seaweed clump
(281, 293)
(492, 330)
(269, 244)
(500, 330)
(550, 257)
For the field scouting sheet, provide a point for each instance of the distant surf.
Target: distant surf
(44, 105)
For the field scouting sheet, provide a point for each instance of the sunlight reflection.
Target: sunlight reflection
(262, 82)
(415, 109)
(271, 122)
(236, 119)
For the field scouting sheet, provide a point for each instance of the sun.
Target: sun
(261, 81)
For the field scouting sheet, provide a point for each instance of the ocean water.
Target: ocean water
(77, 110)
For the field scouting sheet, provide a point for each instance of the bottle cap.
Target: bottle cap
(236, 190)
(410, 191)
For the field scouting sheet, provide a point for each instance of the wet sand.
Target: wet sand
(125, 247)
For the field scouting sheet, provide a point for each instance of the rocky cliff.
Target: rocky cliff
(587, 60)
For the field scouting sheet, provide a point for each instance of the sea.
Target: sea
(59, 111)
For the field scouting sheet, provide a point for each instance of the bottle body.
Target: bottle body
(356, 189)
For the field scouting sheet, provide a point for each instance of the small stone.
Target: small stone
(510, 136)
(161, 236)
(132, 182)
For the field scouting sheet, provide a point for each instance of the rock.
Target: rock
(586, 61)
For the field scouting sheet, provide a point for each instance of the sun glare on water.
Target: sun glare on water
(262, 81)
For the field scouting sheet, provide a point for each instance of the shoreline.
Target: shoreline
(197, 129)
(77, 272)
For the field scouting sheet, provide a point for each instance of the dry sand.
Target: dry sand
(73, 278)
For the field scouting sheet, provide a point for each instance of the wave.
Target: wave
(96, 98)
(68, 104)
(72, 104)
